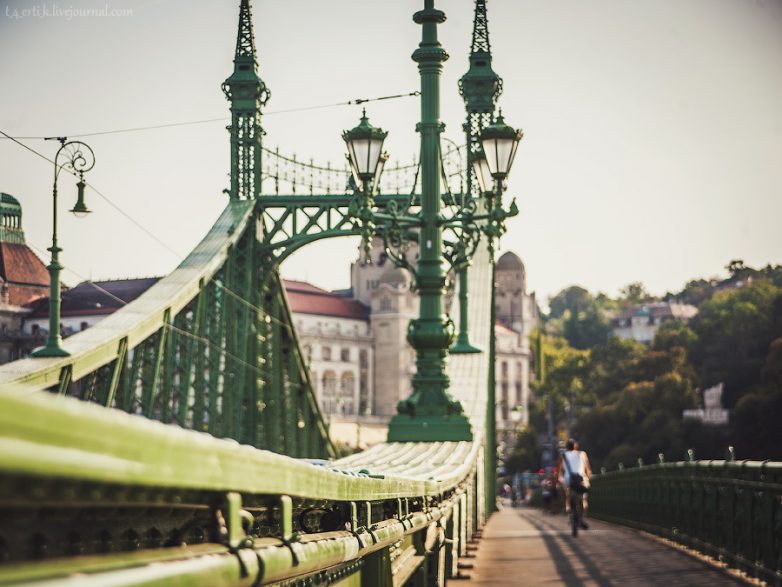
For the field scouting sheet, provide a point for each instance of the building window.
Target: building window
(385, 304)
(325, 353)
(347, 389)
(504, 401)
(363, 359)
(344, 355)
(329, 392)
(504, 369)
(518, 394)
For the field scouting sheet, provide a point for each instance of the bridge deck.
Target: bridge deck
(523, 546)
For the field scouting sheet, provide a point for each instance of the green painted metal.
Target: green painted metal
(212, 348)
(430, 413)
(247, 94)
(491, 405)
(729, 510)
(480, 88)
(131, 467)
(75, 157)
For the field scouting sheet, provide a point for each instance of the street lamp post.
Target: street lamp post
(499, 143)
(75, 157)
(430, 413)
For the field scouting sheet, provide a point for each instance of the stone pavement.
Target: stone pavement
(523, 546)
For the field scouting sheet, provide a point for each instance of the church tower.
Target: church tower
(247, 93)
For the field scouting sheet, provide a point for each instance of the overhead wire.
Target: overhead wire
(101, 195)
(221, 119)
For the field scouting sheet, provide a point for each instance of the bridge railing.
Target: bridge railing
(91, 496)
(729, 510)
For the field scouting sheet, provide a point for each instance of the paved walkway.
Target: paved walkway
(523, 546)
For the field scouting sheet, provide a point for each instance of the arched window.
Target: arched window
(347, 391)
(328, 396)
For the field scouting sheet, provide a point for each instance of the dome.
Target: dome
(510, 262)
(9, 200)
(395, 276)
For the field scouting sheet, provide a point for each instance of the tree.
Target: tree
(674, 334)
(579, 317)
(634, 294)
(526, 454)
(571, 299)
(734, 330)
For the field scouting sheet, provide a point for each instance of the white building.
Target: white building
(642, 322)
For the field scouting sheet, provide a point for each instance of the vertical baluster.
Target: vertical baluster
(277, 170)
(293, 173)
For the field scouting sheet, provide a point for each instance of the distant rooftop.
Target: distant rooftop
(96, 297)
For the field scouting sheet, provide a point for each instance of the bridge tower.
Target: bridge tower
(248, 94)
(480, 87)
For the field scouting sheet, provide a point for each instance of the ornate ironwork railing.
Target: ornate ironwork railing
(729, 510)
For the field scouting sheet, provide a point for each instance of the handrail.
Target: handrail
(97, 346)
(119, 462)
(729, 510)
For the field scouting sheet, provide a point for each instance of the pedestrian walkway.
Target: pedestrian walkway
(523, 546)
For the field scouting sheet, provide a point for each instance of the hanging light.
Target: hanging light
(365, 146)
(500, 142)
(80, 209)
(480, 167)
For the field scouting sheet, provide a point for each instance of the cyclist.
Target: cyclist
(575, 471)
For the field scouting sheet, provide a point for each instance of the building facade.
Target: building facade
(355, 344)
(641, 323)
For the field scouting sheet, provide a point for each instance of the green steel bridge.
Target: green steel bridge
(179, 441)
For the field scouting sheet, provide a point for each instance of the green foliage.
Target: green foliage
(579, 317)
(628, 398)
(526, 454)
(674, 334)
(734, 330)
(634, 294)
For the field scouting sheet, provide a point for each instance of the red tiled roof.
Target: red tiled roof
(87, 299)
(302, 286)
(500, 327)
(19, 265)
(24, 273)
(306, 298)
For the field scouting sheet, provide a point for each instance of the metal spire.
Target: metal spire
(480, 29)
(248, 94)
(245, 40)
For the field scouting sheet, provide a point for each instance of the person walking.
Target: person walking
(575, 471)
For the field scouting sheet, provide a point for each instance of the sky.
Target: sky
(652, 145)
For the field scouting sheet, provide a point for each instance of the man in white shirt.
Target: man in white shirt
(574, 474)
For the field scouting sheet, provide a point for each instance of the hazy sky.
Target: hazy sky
(653, 128)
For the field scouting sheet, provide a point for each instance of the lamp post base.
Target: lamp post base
(451, 428)
(50, 351)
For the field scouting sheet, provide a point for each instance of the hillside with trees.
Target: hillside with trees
(624, 400)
